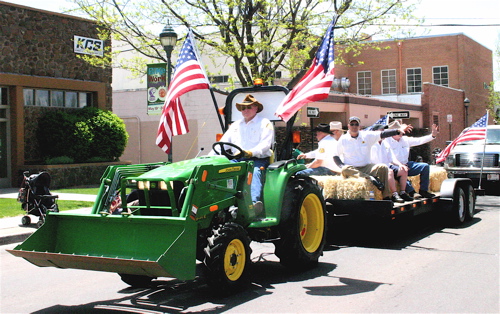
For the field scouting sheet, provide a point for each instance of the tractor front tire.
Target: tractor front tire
(227, 258)
(136, 281)
(303, 226)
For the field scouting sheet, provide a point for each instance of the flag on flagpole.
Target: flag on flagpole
(477, 131)
(316, 83)
(188, 75)
(384, 121)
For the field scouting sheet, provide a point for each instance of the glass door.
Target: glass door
(5, 167)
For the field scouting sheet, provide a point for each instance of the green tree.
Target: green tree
(257, 36)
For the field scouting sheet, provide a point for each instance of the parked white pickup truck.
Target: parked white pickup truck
(466, 159)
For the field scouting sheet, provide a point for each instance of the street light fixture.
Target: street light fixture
(466, 104)
(168, 39)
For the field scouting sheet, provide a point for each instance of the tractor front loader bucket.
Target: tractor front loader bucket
(149, 246)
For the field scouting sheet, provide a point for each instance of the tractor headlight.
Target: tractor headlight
(143, 185)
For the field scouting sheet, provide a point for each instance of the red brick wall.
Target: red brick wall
(470, 65)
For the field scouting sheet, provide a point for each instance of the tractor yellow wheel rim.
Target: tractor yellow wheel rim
(234, 259)
(312, 223)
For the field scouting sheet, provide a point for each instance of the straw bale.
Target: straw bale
(436, 177)
(338, 187)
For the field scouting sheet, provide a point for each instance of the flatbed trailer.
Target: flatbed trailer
(456, 199)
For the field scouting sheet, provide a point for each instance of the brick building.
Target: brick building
(40, 70)
(428, 76)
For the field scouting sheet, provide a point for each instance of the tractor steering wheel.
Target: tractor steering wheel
(228, 153)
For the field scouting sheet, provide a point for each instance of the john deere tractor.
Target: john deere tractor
(172, 215)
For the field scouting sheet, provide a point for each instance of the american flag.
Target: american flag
(384, 121)
(477, 131)
(188, 76)
(316, 83)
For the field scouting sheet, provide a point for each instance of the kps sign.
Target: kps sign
(88, 46)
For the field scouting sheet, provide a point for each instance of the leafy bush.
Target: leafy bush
(59, 160)
(84, 135)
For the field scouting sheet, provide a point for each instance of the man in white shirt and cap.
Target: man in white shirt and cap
(323, 163)
(353, 154)
(400, 145)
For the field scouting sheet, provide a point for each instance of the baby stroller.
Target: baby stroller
(35, 197)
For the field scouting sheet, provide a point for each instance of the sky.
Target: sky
(467, 13)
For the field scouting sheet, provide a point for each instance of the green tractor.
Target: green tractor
(176, 214)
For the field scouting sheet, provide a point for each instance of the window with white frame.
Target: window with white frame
(414, 80)
(388, 82)
(440, 75)
(364, 83)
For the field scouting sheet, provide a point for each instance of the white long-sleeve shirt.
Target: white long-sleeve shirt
(327, 147)
(401, 148)
(355, 151)
(381, 153)
(256, 136)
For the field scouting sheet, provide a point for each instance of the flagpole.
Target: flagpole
(217, 109)
(484, 152)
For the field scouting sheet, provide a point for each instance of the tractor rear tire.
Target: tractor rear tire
(227, 258)
(136, 281)
(303, 226)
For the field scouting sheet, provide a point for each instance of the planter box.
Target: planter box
(71, 175)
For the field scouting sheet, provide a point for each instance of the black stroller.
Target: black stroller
(35, 197)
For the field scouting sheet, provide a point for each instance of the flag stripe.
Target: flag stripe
(188, 76)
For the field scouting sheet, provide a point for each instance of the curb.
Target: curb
(9, 239)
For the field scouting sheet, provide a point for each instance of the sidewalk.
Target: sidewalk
(11, 229)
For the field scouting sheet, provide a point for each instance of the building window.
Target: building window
(56, 98)
(42, 98)
(365, 83)
(277, 74)
(388, 82)
(435, 118)
(219, 79)
(440, 75)
(414, 80)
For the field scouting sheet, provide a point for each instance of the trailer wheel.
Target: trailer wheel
(471, 203)
(459, 210)
(227, 258)
(26, 220)
(136, 281)
(303, 228)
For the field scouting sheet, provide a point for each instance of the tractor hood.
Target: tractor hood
(182, 170)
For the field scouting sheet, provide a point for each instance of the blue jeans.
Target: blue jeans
(418, 168)
(319, 171)
(256, 186)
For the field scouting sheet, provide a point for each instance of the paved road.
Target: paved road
(414, 267)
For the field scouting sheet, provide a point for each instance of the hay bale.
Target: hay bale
(436, 177)
(338, 187)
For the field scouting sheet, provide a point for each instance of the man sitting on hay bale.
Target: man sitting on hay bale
(400, 145)
(381, 153)
(323, 163)
(353, 154)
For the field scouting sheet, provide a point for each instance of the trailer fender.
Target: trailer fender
(458, 199)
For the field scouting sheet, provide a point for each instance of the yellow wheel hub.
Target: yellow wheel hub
(234, 260)
(312, 223)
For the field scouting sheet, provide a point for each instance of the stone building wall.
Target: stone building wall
(40, 43)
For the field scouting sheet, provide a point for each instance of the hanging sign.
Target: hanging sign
(156, 87)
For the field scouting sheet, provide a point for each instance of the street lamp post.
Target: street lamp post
(466, 104)
(168, 39)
